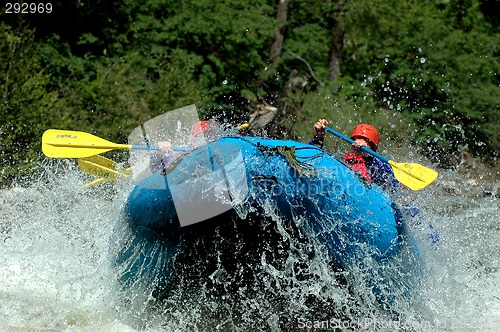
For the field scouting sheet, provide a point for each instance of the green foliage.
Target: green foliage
(230, 38)
(120, 93)
(343, 110)
(26, 108)
(438, 68)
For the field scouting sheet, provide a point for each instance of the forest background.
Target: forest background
(426, 72)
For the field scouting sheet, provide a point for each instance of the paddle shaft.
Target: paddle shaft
(155, 147)
(115, 146)
(362, 148)
(85, 145)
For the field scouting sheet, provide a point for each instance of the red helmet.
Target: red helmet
(367, 132)
(199, 128)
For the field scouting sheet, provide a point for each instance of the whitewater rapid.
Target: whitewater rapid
(56, 272)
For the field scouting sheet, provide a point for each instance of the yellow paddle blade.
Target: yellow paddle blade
(95, 182)
(75, 144)
(102, 161)
(102, 167)
(412, 175)
(243, 126)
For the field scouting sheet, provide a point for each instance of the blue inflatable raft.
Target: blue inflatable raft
(254, 178)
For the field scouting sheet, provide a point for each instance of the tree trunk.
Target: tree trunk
(337, 44)
(279, 30)
(264, 114)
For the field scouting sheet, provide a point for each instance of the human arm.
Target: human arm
(161, 157)
(319, 132)
(382, 174)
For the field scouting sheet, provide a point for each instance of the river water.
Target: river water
(57, 273)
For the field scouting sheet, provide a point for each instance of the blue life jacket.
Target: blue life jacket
(381, 173)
